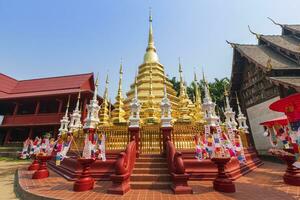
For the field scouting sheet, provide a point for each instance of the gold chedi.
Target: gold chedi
(184, 104)
(151, 63)
(118, 114)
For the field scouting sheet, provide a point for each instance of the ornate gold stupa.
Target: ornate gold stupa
(150, 85)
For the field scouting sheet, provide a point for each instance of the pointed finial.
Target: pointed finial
(203, 77)
(195, 77)
(233, 45)
(256, 34)
(68, 104)
(106, 81)
(67, 108)
(150, 14)
(78, 101)
(237, 99)
(150, 37)
(121, 66)
(238, 103)
(96, 88)
(179, 65)
(275, 22)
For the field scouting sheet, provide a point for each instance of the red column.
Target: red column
(135, 131)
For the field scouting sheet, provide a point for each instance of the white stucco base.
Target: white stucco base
(257, 114)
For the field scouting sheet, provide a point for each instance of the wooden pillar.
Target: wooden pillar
(7, 136)
(37, 108)
(16, 109)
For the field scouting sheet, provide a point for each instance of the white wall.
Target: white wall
(257, 114)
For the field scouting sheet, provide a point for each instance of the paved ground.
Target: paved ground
(262, 184)
(7, 172)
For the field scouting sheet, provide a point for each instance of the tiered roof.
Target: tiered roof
(277, 55)
(12, 88)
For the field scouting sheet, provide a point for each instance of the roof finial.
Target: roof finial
(233, 45)
(275, 22)
(256, 34)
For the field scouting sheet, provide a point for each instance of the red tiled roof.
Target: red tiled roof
(11, 88)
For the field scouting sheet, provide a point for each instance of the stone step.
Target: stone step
(150, 170)
(154, 159)
(150, 185)
(150, 177)
(150, 165)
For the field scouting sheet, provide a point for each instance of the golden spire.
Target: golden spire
(150, 55)
(104, 115)
(150, 37)
(118, 113)
(184, 102)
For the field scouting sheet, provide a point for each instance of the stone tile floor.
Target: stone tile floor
(7, 171)
(262, 184)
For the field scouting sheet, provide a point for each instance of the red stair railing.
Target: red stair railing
(123, 169)
(177, 170)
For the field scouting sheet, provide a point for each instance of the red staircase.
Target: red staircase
(150, 172)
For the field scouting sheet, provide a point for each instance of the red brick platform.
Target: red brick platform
(263, 183)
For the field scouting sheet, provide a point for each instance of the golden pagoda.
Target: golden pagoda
(118, 114)
(184, 105)
(104, 112)
(150, 78)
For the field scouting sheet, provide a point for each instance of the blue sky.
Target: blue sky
(60, 37)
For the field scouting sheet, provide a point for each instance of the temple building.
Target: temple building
(263, 73)
(30, 108)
